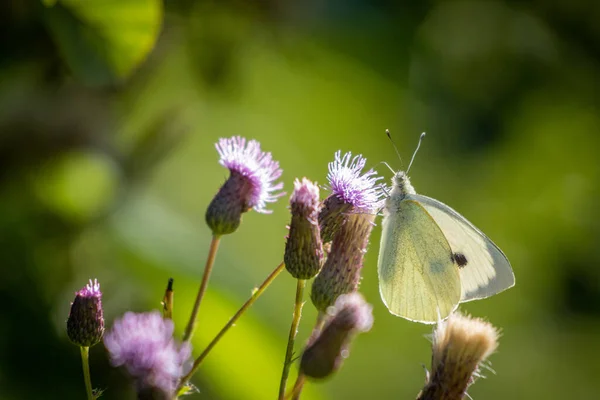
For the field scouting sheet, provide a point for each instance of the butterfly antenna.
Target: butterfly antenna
(387, 165)
(387, 132)
(415, 153)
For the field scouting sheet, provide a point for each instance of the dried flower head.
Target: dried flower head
(303, 255)
(143, 343)
(460, 344)
(352, 192)
(341, 272)
(250, 184)
(326, 352)
(85, 325)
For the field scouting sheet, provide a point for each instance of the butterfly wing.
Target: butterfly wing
(418, 279)
(484, 269)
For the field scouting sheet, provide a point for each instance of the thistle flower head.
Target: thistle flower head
(85, 325)
(303, 255)
(352, 191)
(143, 343)
(341, 271)
(326, 351)
(250, 184)
(460, 344)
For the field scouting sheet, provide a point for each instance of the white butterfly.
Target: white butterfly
(431, 258)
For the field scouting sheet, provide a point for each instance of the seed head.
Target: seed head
(250, 184)
(303, 255)
(143, 343)
(85, 325)
(460, 344)
(325, 353)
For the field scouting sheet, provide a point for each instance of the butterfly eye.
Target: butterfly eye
(460, 259)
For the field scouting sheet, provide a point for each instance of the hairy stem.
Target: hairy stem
(292, 337)
(255, 295)
(85, 361)
(212, 252)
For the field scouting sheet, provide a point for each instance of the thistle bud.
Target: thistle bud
(85, 325)
(460, 344)
(352, 191)
(342, 270)
(252, 173)
(326, 352)
(347, 217)
(303, 255)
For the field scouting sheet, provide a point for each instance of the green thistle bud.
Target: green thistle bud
(85, 325)
(303, 255)
(325, 353)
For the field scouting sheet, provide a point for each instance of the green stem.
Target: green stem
(85, 361)
(212, 252)
(255, 295)
(292, 337)
(299, 385)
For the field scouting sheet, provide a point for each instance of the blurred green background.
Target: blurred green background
(109, 111)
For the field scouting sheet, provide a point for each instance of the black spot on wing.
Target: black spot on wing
(459, 259)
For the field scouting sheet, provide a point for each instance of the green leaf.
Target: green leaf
(103, 41)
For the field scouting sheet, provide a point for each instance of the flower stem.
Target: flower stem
(85, 361)
(255, 295)
(212, 252)
(292, 337)
(299, 385)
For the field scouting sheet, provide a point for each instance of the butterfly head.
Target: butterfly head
(401, 185)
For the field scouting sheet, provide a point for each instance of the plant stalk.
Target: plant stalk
(255, 295)
(85, 361)
(212, 252)
(292, 337)
(299, 385)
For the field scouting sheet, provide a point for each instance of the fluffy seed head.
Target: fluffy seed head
(85, 325)
(303, 255)
(352, 191)
(326, 351)
(250, 184)
(143, 343)
(342, 269)
(460, 344)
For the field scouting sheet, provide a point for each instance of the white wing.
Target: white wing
(486, 270)
(417, 276)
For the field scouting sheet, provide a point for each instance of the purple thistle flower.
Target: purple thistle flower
(347, 183)
(303, 255)
(352, 192)
(326, 351)
(85, 325)
(143, 343)
(250, 184)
